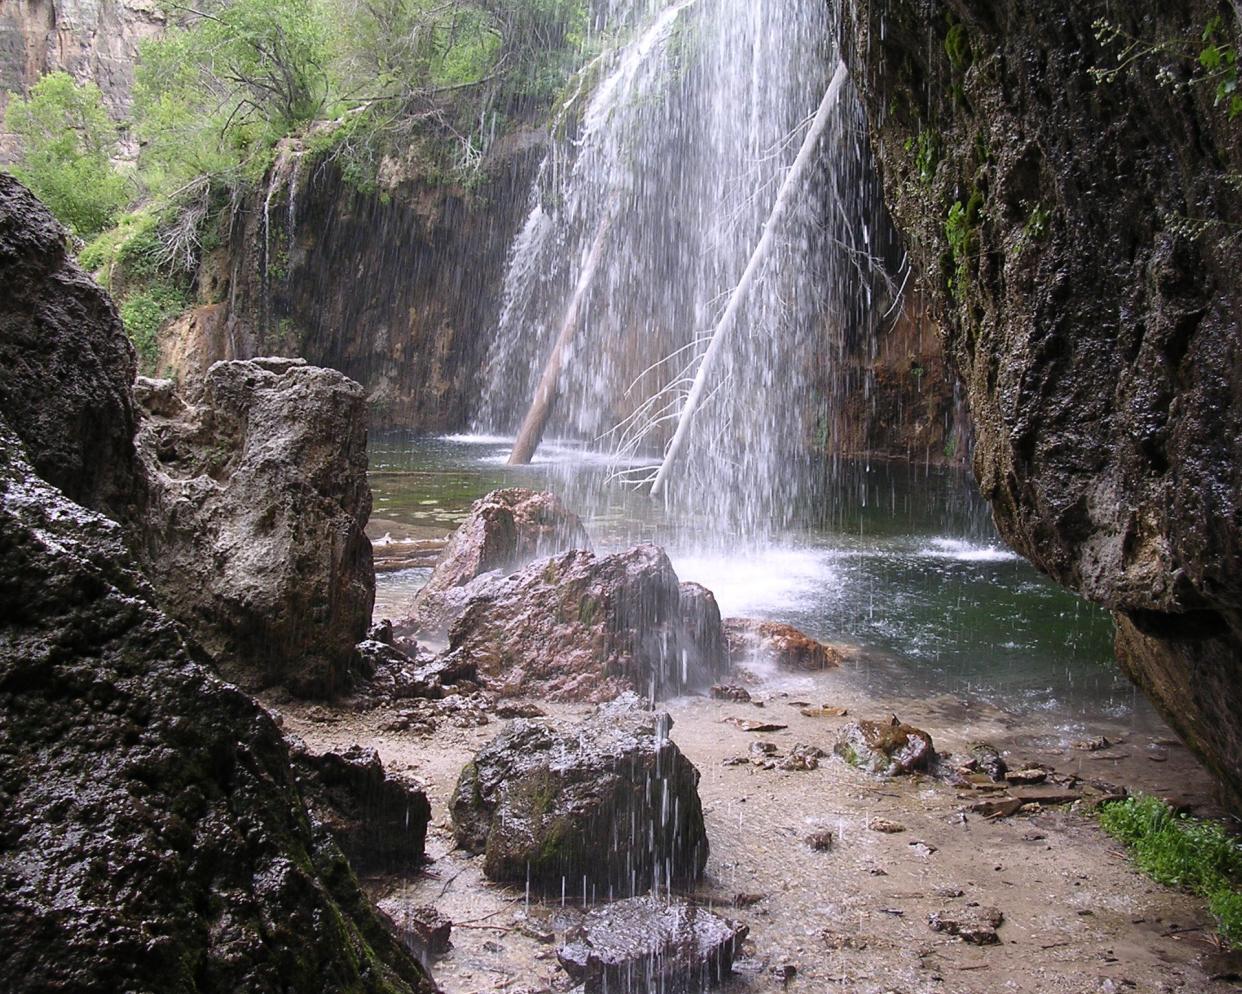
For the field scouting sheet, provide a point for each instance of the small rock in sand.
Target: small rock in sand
(820, 841)
(976, 925)
(885, 826)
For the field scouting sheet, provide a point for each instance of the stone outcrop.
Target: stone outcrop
(611, 801)
(647, 944)
(780, 644)
(584, 627)
(254, 534)
(1077, 239)
(65, 362)
(505, 530)
(152, 836)
(378, 820)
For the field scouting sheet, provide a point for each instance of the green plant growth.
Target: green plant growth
(1036, 226)
(68, 142)
(1180, 851)
(957, 46)
(925, 149)
(1209, 55)
(960, 230)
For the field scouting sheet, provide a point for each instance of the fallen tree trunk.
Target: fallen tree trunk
(541, 404)
(724, 327)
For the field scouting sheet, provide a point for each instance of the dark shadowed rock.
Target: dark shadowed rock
(1078, 239)
(885, 748)
(583, 627)
(647, 944)
(254, 534)
(393, 674)
(378, 820)
(778, 643)
(506, 529)
(66, 365)
(152, 835)
(423, 930)
(611, 800)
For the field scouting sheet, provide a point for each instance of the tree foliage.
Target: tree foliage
(68, 142)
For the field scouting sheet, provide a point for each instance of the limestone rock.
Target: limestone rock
(254, 531)
(646, 944)
(378, 820)
(611, 800)
(505, 530)
(66, 364)
(153, 837)
(778, 643)
(885, 748)
(583, 627)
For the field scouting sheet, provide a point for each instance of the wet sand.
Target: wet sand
(1077, 916)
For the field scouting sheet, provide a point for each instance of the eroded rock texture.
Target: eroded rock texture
(152, 838)
(65, 362)
(504, 530)
(254, 536)
(1079, 240)
(584, 627)
(611, 801)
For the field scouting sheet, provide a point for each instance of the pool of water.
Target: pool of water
(903, 561)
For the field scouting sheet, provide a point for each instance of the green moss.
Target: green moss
(957, 46)
(1180, 851)
(1036, 223)
(925, 150)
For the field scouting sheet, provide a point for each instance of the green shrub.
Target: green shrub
(144, 313)
(1180, 851)
(67, 145)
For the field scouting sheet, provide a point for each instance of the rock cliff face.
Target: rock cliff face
(94, 40)
(398, 291)
(1079, 242)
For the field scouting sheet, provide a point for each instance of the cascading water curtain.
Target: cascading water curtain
(668, 155)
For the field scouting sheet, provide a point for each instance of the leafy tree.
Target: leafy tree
(68, 142)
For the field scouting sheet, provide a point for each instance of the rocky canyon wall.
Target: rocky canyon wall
(1078, 234)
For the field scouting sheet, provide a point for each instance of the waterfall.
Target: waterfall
(664, 165)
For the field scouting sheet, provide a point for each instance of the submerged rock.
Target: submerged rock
(778, 643)
(505, 530)
(611, 801)
(647, 944)
(583, 627)
(885, 748)
(254, 534)
(378, 820)
(153, 835)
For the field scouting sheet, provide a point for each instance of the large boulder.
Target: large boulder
(66, 364)
(152, 835)
(378, 820)
(584, 627)
(610, 805)
(1077, 234)
(648, 944)
(505, 530)
(254, 534)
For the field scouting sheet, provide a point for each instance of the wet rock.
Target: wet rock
(648, 944)
(583, 627)
(392, 674)
(152, 824)
(1004, 807)
(885, 826)
(885, 748)
(802, 758)
(253, 536)
(424, 931)
(1129, 493)
(987, 759)
(974, 924)
(1033, 775)
(751, 725)
(66, 364)
(505, 530)
(779, 643)
(611, 800)
(820, 841)
(378, 820)
(826, 711)
(730, 692)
